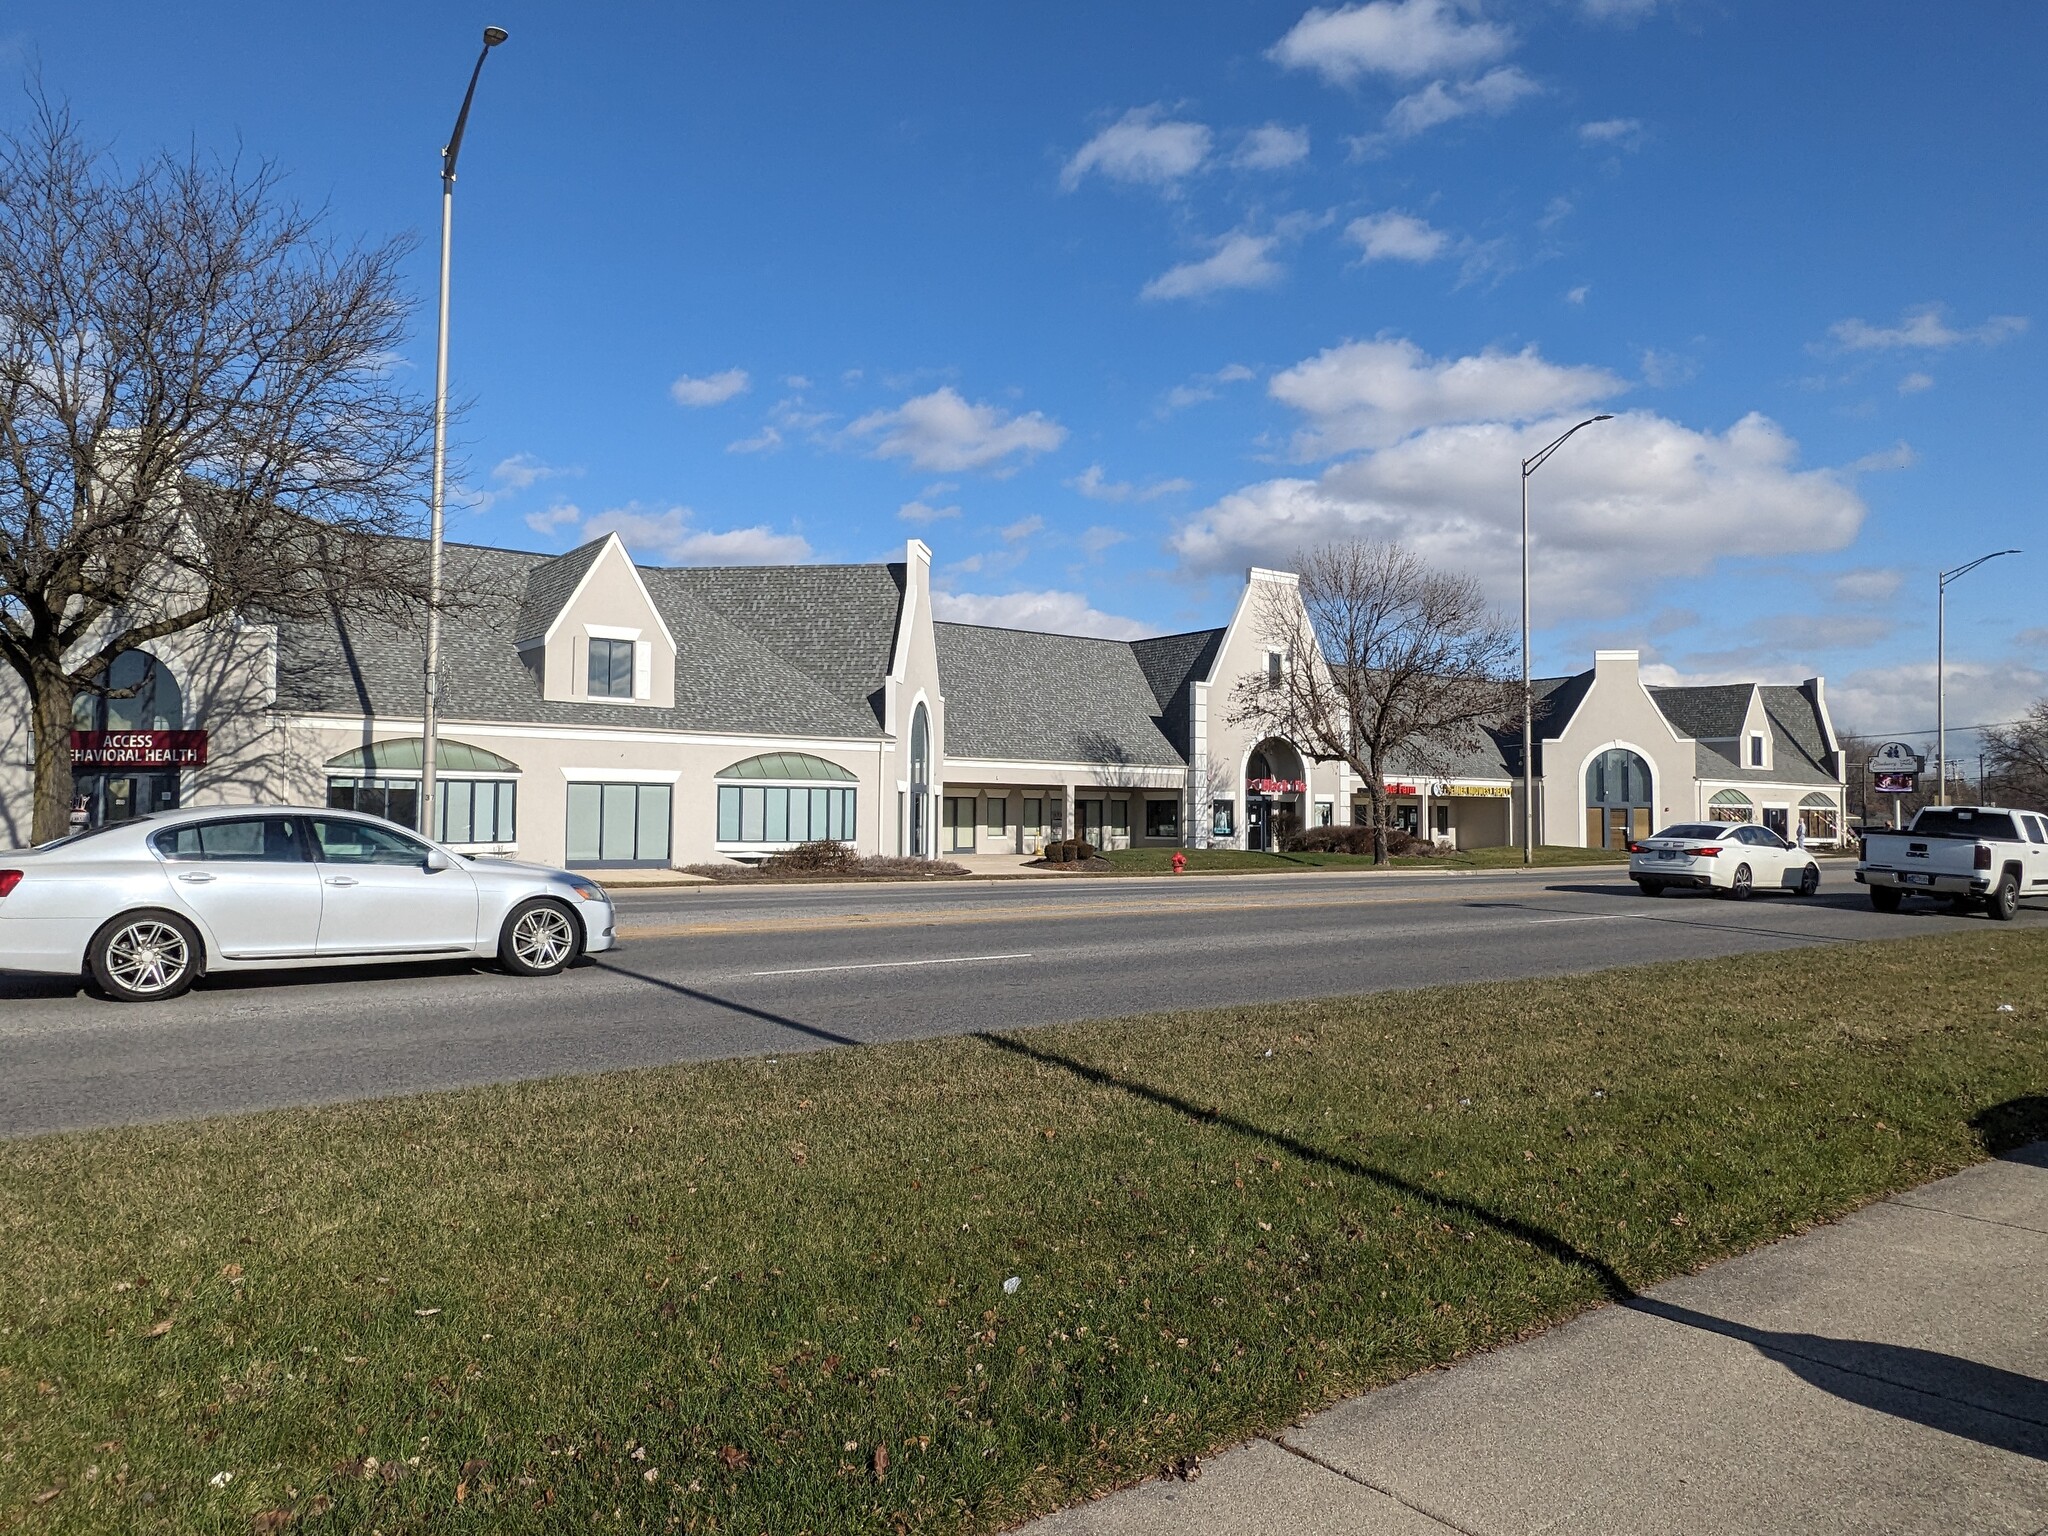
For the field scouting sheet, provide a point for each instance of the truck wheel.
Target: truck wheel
(540, 938)
(2003, 903)
(1885, 898)
(145, 957)
(1741, 885)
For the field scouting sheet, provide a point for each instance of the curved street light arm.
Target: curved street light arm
(1535, 460)
(1964, 570)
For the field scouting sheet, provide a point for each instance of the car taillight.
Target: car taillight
(9, 879)
(1983, 861)
(1637, 848)
(1706, 853)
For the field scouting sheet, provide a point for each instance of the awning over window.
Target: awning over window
(786, 765)
(1817, 802)
(1730, 797)
(403, 755)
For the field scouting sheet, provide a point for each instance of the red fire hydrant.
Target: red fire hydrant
(1180, 862)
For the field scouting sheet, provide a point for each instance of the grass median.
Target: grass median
(1208, 861)
(778, 1294)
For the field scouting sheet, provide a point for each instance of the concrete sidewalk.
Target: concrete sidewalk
(1888, 1373)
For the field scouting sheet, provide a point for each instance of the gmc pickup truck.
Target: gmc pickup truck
(1972, 855)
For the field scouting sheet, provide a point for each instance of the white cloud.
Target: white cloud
(509, 476)
(712, 389)
(1199, 388)
(1023, 528)
(767, 440)
(1272, 147)
(1367, 394)
(1916, 382)
(1141, 147)
(1631, 502)
(563, 514)
(1396, 236)
(1899, 700)
(1622, 11)
(922, 512)
(671, 535)
(1440, 102)
(1052, 612)
(942, 431)
(1666, 370)
(1401, 39)
(1578, 295)
(1899, 456)
(1099, 538)
(1625, 132)
(1096, 486)
(1867, 584)
(1240, 260)
(1924, 328)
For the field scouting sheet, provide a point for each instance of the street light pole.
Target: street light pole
(1941, 670)
(1529, 467)
(431, 712)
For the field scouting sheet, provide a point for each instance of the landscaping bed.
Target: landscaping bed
(776, 1294)
(1207, 861)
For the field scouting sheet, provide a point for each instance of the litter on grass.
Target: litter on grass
(1010, 1285)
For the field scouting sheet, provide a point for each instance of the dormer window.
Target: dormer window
(611, 669)
(1756, 749)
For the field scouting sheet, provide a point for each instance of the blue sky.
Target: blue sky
(1107, 302)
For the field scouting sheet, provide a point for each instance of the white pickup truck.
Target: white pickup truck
(1972, 855)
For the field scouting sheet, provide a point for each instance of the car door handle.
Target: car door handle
(343, 880)
(197, 877)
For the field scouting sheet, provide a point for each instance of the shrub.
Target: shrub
(1358, 840)
(723, 872)
(922, 869)
(821, 858)
(1070, 850)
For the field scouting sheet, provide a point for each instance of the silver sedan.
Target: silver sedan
(146, 907)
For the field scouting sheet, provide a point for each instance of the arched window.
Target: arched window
(1819, 818)
(1731, 805)
(781, 799)
(920, 779)
(137, 693)
(1619, 798)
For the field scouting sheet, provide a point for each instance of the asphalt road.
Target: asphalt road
(707, 972)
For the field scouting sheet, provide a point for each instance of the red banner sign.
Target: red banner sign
(1400, 789)
(1277, 786)
(138, 749)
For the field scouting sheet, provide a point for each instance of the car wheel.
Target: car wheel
(1650, 887)
(145, 957)
(539, 938)
(2004, 901)
(1885, 898)
(1809, 881)
(1740, 884)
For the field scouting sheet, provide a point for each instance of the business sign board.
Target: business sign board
(1895, 783)
(1895, 757)
(138, 749)
(1475, 791)
(1277, 786)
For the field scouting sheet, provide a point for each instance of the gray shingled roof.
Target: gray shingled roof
(1172, 665)
(727, 677)
(1555, 701)
(1711, 711)
(1022, 695)
(549, 586)
(1798, 744)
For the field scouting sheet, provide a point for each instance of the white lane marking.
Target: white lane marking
(888, 965)
(1597, 917)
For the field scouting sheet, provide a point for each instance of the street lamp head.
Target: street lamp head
(494, 36)
(1603, 418)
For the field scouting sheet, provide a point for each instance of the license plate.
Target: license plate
(1667, 853)
(1916, 879)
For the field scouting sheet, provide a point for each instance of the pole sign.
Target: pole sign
(1895, 769)
(138, 749)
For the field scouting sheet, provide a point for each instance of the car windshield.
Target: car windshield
(1693, 831)
(1963, 821)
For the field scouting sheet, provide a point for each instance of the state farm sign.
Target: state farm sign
(138, 749)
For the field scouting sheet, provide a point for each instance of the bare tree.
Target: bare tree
(1385, 665)
(2018, 755)
(198, 418)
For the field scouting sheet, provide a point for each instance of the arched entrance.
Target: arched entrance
(1275, 784)
(137, 693)
(1620, 799)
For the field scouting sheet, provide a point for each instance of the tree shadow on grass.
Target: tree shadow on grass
(1962, 1397)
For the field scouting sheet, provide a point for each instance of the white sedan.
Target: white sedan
(1735, 859)
(146, 907)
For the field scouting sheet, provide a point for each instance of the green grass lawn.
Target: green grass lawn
(771, 1295)
(1204, 861)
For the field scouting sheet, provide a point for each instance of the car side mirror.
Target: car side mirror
(438, 861)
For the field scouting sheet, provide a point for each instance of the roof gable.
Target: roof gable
(550, 584)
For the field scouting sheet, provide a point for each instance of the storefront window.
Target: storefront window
(467, 810)
(1162, 819)
(1731, 805)
(1819, 820)
(619, 823)
(784, 814)
(1326, 812)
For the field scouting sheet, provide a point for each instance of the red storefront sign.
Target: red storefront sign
(138, 749)
(1277, 786)
(1400, 789)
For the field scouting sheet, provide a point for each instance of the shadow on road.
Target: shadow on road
(1962, 1397)
(1790, 935)
(813, 1030)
